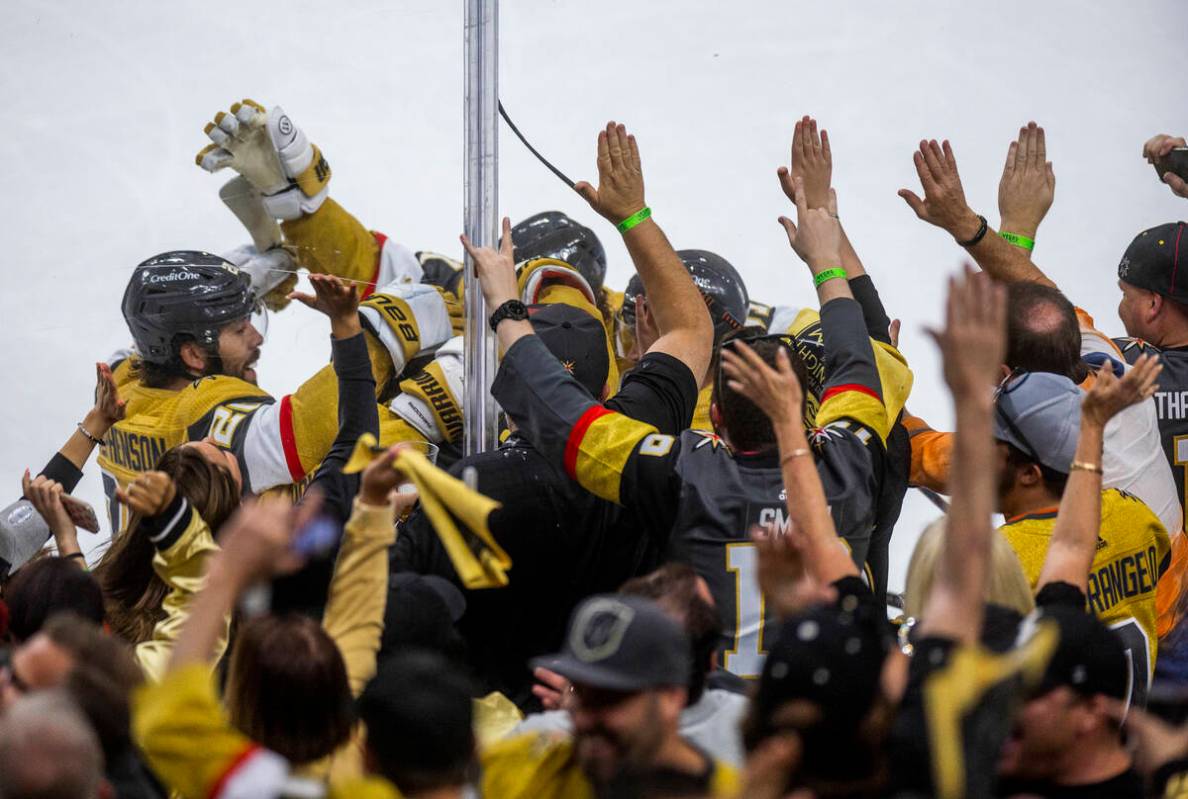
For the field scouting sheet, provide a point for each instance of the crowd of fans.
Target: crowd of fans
(670, 578)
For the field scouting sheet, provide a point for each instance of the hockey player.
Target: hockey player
(694, 496)
(192, 377)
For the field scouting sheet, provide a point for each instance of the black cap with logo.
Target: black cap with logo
(577, 340)
(622, 643)
(1152, 261)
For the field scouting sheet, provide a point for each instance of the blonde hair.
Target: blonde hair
(1006, 584)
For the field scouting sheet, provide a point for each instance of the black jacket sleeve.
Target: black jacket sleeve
(357, 414)
(873, 313)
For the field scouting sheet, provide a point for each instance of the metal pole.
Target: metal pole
(481, 221)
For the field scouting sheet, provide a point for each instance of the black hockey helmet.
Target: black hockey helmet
(183, 293)
(722, 287)
(552, 234)
(633, 290)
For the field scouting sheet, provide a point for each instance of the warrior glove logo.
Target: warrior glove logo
(598, 632)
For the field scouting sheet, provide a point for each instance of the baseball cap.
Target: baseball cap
(577, 340)
(421, 612)
(830, 655)
(1039, 414)
(1089, 657)
(621, 643)
(1152, 261)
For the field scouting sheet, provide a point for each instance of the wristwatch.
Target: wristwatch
(512, 309)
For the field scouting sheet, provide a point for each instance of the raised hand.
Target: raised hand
(776, 392)
(1110, 396)
(944, 198)
(338, 299)
(1028, 184)
(378, 486)
(811, 160)
(620, 191)
(149, 494)
(108, 408)
(496, 270)
(783, 580)
(973, 340)
(257, 542)
(816, 235)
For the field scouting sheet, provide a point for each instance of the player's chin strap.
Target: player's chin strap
(531, 149)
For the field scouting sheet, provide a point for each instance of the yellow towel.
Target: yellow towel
(458, 514)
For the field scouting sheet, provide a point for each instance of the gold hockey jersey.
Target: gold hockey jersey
(1133, 550)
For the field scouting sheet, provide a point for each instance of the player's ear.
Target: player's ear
(193, 357)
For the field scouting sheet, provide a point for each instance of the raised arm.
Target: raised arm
(972, 344)
(1075, 534)
(944, 205)
(812, 160)
(680, 314)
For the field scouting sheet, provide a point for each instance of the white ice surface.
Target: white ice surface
(103, 105)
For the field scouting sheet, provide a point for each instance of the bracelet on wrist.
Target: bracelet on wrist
(796, 453)
(833, 273)
(93, 439)
(1018, 240)
(1082, 466)
(639, 216)
(977, 237)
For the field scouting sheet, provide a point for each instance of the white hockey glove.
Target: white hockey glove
(272, 153)
(273, 273)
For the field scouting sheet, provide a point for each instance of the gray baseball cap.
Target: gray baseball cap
(1039, 414)
(621, 643)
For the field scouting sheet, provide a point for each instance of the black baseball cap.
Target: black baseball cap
(831, 655)
(1152, 261)
(622, 643)
(577, 340)
(1089, 657)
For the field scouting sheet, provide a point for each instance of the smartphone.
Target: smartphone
(318, 536)
(1175, 162)
(81, 513)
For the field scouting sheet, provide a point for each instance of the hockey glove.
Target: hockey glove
(272, 153)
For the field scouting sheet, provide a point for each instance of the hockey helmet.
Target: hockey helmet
(633, 290)
(183, 293)
(722, 287)
(552, 234)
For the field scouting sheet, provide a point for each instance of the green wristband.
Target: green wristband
(829, 274)
(1017, 240)
(634, 219)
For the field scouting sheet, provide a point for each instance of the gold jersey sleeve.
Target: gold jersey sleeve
(1133, 549)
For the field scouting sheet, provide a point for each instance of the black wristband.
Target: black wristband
(981, 234)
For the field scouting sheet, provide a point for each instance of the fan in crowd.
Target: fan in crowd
(670, 577)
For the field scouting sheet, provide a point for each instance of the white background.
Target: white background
(103, 105)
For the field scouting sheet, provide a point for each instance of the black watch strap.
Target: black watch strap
(512, 309)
